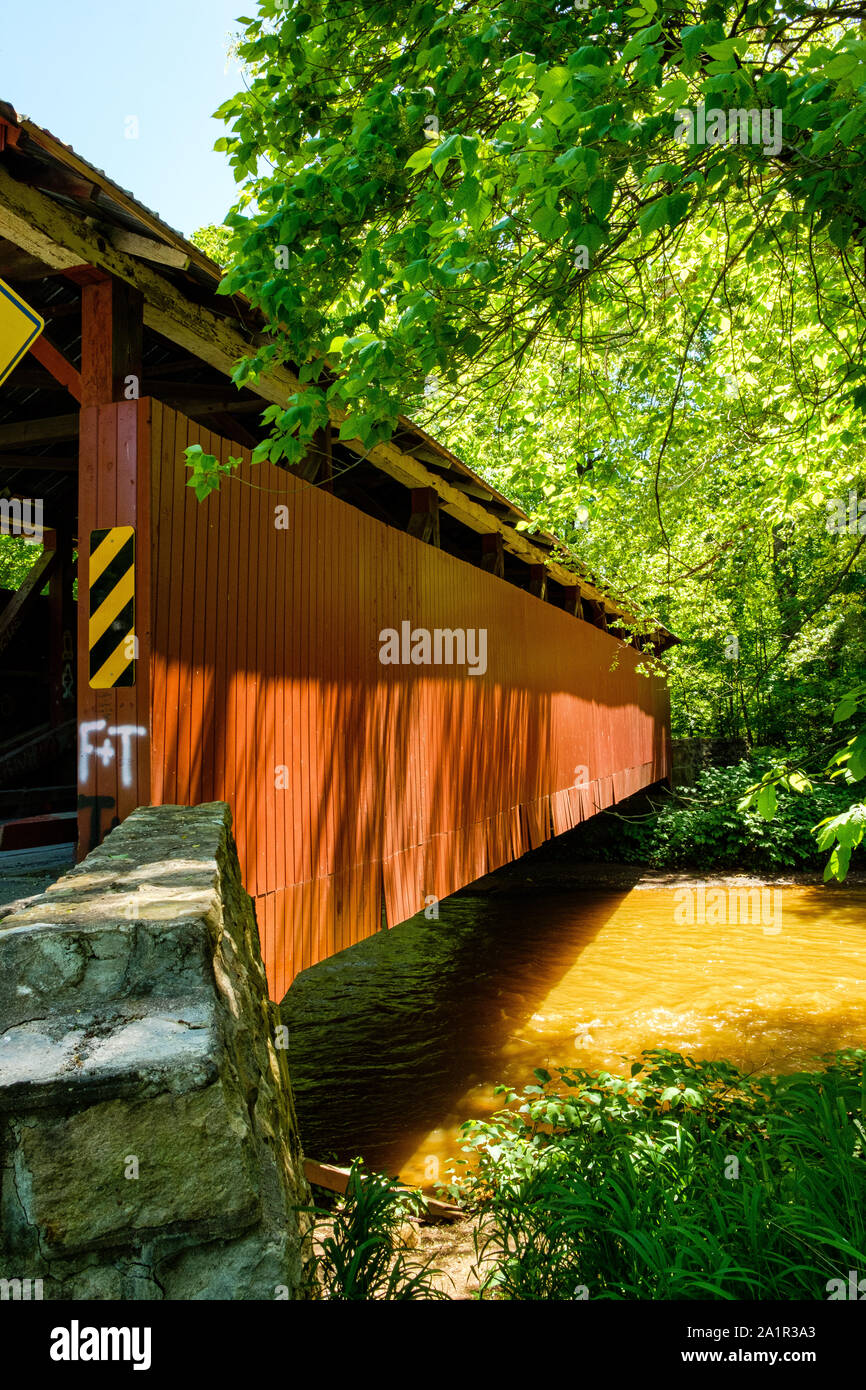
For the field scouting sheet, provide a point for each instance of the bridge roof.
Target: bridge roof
(62, 213)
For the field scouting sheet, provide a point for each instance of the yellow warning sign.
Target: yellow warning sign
(111, 633)
(19, 327)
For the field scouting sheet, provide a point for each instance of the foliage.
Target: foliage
(214, 240)
(207, 470)
(431, 189)
(704, 827)
(17, 558)
(682, 1180)
(361, 1254)
(843, 830)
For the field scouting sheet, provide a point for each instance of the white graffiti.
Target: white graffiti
(106, 751)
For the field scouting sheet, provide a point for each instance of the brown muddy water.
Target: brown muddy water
(397, 1041)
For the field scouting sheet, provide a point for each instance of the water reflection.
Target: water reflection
(395, 1042)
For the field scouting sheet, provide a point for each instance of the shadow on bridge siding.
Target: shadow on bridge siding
(387, 1038)
(276, 666)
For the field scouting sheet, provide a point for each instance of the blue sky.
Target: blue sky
(82, 67)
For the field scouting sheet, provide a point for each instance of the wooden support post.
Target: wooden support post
(424, 517)
(317, 465)
(9, 134)
(112, 325)
(493, 553)
(538, 580)
(114, 720)
(594, 613)
(323, 440)
(571, 600)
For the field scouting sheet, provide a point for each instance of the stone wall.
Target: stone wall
(148, 1139)
(691, 755)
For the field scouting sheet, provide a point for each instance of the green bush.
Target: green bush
(684, 1180)
(701, 826)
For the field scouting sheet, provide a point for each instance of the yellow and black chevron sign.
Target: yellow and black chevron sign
(111, 636)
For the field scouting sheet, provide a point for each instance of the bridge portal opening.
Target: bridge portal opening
(38, 788)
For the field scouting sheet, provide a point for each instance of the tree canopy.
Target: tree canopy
(614, 257)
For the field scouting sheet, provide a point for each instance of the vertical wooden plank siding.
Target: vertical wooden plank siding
(114, 490)
(346, 776)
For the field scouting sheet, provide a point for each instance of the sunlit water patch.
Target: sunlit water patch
(394, 1043)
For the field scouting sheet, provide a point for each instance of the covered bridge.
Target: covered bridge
(267, 647)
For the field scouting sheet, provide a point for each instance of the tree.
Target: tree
(641, 225)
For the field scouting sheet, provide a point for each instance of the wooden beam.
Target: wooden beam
(60, 181)
(30, 238)
(85, 274)
(225, 404)
(94, 176)
(335, 1179)
(594, 613)
(424, 516)
(60, 311)
(538, 581)
(16, 264)
(9, 134)
(571, 600)
(493, 554)
(146, 248)
(111, 341)
(50, 357)
(190, 390)
(39, 431)
(317, 464)
(52, 463)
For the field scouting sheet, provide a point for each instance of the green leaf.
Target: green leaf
(692, 38)
(667, 172)
(766, 801)
(640, 41)
(421, 158)
(654, 216)
(448, 149)
(727, 48)
(549, 223)
(559, 112)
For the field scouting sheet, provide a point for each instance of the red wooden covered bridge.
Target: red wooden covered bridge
(395, 688)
